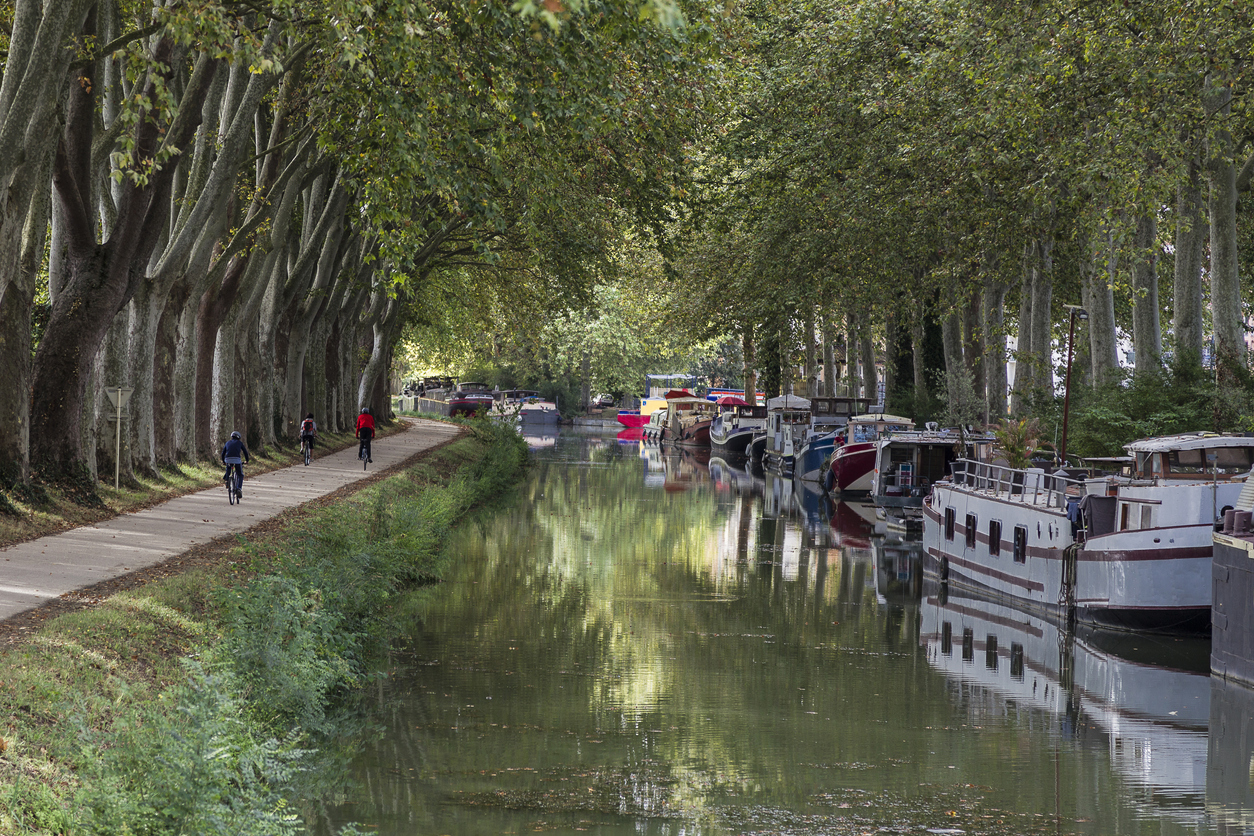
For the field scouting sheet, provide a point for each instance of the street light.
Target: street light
(1076, 311)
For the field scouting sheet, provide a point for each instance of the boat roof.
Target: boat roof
(1188, 441)
(877, 417)
(788, 402)
(935, 437)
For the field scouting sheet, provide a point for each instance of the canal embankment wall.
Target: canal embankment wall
(226, 687)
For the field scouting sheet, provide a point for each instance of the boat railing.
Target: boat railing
(1031, 487)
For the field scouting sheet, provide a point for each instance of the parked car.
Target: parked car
(603, 400)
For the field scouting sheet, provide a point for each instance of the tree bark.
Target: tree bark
(995, 352)
(1042, 319)
(1190, 245)
(1097, 279)
(747, 349)
(1146, 328)
(811, 367)
(870, 382)
(1225, 282)
(830, 372)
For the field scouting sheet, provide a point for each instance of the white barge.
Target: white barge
(1129, 552)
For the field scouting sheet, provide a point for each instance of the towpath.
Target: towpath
(39, 571)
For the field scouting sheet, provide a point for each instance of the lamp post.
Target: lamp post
(1076, 310)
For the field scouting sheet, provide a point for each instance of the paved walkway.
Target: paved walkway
(33, 573)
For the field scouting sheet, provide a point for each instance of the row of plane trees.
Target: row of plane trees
(231, 210)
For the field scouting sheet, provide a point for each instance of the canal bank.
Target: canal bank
(227, 689)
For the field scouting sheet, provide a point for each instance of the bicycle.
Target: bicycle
(234, 479)
(306, 450)
(361, 454)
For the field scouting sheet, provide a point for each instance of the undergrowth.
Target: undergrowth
(224, 700)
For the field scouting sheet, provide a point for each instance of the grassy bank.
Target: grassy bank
(210, 701)
(30, 511)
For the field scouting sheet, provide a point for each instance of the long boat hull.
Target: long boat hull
(1123, 580)
(735, 443)
(696, 434)
(808, 464)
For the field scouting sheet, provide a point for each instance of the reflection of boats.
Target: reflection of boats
(1129, 552)
(654, 469)
(737, 479)
(537, 437)
(634, 435)
(1229, 789)
(1153, 719)
(853, 463)
(898, 572)
(685, 468)
(852, 524)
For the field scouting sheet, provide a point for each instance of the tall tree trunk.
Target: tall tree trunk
(995, 352)
(870, 382)
(1042, 320)
(811, 367)
(1225, 282)
(918, 335)
(1190, 245)
(1024, 371)
(1097, 274)
(1146, 330)
(829, 358)
(853, 341)
(973, 340)
(747, 349)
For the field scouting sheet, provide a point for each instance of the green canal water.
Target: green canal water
(643, 644)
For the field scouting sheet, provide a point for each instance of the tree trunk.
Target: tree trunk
(829, 358)
(811, 367)
(1024, 371)
(1190, 245)
(1042, 319)
(751, 378)
(1097, 279)
(973, 340)
(852, 343)
(995, 352)
(1225, 282)
(870, 383)
(21, 239)
(1146, 330)
(918, 335)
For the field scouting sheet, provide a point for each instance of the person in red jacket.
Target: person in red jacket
(365, 431)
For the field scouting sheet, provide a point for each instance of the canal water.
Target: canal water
(648, 644)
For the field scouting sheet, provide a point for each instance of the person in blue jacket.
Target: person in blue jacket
(234, 453)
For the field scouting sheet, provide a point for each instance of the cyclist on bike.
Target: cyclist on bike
(234, 452)
(308, 431)
(365, 431)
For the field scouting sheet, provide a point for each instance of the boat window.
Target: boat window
(949, 523)
(863, 433)
(1186, 461)
(968, 644)
(1232, 459)
(990, 652)
(1143, 462)
(1016, 661)
(1126, 520)
(994, 537)
(970, 532)
(947, 638)
(1021, 544)
(1147, 516)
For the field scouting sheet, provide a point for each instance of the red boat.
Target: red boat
(631, 418)
(470, 398)
(853, 463)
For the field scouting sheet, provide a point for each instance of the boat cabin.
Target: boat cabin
(1207, 456)
(836, 412)
(908, 462)
(867, 428)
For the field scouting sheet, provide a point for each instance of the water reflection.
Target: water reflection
(649, 643)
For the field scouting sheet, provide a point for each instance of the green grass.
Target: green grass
(216, 700)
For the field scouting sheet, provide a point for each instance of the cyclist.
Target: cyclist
(308, 431)
(234, 452)
(365, 431)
